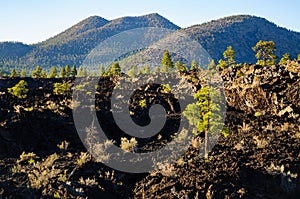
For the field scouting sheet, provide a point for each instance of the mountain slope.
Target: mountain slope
(243, 32)
(10, 50)
(72, 46)
(89, 24)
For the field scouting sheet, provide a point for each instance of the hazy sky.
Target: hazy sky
(32, 21)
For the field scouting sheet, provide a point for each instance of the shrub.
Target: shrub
(143, 103)
(62, 88)
(20, 90)
(84, 158)
(128, 145)
(166, 88)
(239, 73)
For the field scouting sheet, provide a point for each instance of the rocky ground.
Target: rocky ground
(259, 159)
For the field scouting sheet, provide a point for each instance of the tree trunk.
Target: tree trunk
(206, 145)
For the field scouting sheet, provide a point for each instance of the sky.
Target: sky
(32, 21)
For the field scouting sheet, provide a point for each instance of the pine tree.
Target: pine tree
(53, 72)
(23, 72)
(82, 72)
(180, 67)
(115, 69)
(43, 74)
(74, 71)
(63, 73)
(68, 70)
(37, 72)
(265, 50)
(228, 55)
(166, 62)
(205, 114)
(13, 73)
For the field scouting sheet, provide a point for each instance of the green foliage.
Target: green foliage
(208, 101)
(229, 60)
(193, 115)
(226, 131)
(166, 62)
(194, 65)
(143, 103)
(146, 70)
(132, 72)
(298, 57)
(205, 114)
(74, 71)
(165, 88)
(239, 73)
(13, 73)
(156, 70)
(212, 65)
(63, 73)
(222, 64)
(20, 90)
(37, 73)
(43, 74)
(53, 72)
(258, 114)
(101, 71)
(265, 50)
(82, 72)
(180, 67)
(62, 88)
(228, 55)
(68, 70)
(114, 70)
(285, 58)
(23, 72)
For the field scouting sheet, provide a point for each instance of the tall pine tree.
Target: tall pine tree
(166, 62)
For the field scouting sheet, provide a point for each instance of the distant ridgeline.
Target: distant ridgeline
(70, 47)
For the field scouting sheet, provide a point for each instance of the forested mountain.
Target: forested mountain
(71, 46)
(242, 32)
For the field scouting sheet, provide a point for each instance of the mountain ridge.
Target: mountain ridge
(243, 32)
(72, 45)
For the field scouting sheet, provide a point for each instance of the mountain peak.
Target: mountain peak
(93, 21)
(154, 15)
(148, 20)
(90, 23)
